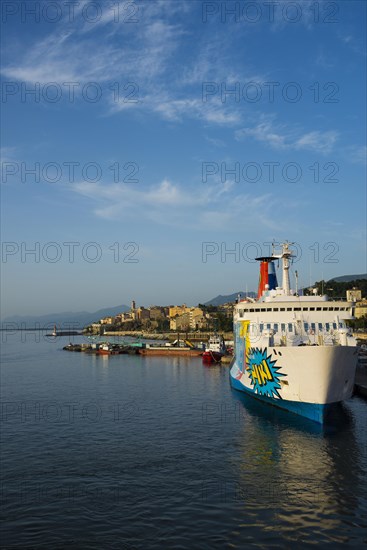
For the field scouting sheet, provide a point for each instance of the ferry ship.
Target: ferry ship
(293, 351)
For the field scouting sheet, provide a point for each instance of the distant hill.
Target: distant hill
(348, 278)
(219, 300)
(63, 320)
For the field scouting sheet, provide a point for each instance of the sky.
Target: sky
(152, 149)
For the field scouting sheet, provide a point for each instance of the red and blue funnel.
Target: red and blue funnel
(267, 275)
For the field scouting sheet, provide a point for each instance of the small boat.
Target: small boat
(111, 349)
(214, 350)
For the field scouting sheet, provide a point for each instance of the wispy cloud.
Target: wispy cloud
(146, 53)
(215, 141)
(282, 137)
(217, 206)
(154, 55)
(357, 154)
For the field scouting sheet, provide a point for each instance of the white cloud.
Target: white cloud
(283, 137)
(217, 206)
(322, 142)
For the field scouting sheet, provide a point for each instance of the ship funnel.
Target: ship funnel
(268, 278)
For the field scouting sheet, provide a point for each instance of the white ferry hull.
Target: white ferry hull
(305, 380)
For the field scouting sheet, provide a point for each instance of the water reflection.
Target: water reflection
(299, 469)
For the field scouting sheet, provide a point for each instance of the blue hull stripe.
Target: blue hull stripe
(313, 411)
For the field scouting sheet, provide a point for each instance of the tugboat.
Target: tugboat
(293, 351)
(215, 349)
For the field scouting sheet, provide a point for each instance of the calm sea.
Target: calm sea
(133, 452)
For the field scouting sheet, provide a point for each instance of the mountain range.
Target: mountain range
(348, 278)
(66, 319)
(219, 300)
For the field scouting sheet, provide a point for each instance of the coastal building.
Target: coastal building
(123, 317)
(361, 309)
(157, 313)
(180, 322)
(106, 321)
(354, 295)
(178, 310)
(142, 314)
(191, 319)
(197, 318)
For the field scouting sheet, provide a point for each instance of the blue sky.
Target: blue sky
(165, 125)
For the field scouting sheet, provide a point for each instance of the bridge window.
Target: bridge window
(241, 312)
(276, 327)
(282, 326)
(290, 327)
(320, 326)
(335, 325)
(306, 326)
(261, 327)
(313, 326)
(327, 326)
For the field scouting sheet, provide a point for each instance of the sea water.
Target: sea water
(146, 452)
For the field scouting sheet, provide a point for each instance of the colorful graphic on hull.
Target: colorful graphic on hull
(264, 375)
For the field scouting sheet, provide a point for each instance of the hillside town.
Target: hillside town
(168, 318)
(200, 318)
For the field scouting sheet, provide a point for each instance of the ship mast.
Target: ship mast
(286, 255)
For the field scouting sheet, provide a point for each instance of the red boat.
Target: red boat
(214, 350)
(110, 349)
